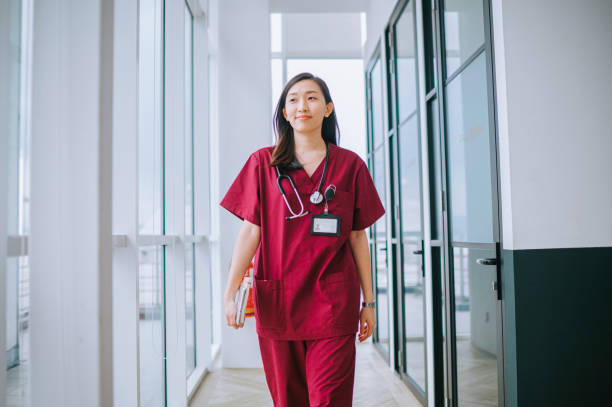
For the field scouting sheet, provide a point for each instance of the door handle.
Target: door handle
(417, 252)
(487, 262)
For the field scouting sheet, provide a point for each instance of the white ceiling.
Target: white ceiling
(318, 6)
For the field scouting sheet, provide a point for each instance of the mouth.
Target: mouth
(303, 117)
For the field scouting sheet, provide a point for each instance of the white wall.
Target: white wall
(241, 38)
(554, 98)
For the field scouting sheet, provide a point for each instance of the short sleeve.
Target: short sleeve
(242, 197)
(368, 207)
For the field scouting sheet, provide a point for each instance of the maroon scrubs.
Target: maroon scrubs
(305, 287)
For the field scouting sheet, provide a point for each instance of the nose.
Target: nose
(302, 105)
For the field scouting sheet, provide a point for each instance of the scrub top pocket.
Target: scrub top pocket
(269, 304)
(341, 289)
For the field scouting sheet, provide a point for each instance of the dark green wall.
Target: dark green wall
(558, 319)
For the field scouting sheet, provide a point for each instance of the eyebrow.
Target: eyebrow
(310, 91)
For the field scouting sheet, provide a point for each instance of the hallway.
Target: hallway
(375, 385)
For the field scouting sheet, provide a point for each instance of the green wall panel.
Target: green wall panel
(558, 307)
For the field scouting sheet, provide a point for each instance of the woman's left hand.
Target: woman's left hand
(367, 322)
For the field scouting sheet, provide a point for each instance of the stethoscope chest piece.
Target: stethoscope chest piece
(316, 197)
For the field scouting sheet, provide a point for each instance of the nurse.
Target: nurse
(305, 204)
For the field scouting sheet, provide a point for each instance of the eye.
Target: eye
(312, 97)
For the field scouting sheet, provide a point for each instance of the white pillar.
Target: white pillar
(125, 204)
(71, 243)
(244, 124)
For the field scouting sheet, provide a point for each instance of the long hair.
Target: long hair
(284, 152)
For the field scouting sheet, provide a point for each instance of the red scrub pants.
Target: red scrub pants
(313, 373)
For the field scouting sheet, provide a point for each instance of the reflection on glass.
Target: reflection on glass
(379, 183)
(150, 117)
(382, 295)
(406, 63)
(476, 328)
(380, 227)
(414, 322)
(150, 217)
(435, 165)
(151, 326)
(190, 307)
(377, 105)
(17, 282)
(463, 31)
(344, 78)
(189, 200)
(470, 155)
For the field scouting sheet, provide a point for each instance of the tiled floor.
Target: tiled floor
(375, 385)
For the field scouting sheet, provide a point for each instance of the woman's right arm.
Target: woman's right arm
(244, 249)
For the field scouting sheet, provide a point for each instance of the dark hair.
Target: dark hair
(284, 152)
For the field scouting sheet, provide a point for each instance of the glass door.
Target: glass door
(471, 296)
(377, 165)
(405, 146)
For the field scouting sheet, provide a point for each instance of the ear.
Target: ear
(329, 108)
(285, 113)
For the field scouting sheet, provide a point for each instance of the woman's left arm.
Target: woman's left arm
(358, 241)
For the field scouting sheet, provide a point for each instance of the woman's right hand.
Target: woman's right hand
(230, 313)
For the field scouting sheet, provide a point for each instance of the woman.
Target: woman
(305, 204)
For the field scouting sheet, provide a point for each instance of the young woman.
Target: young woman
(305, 204)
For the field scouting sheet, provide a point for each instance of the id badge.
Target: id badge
(325, 224)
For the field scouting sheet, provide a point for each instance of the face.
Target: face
(305, 106)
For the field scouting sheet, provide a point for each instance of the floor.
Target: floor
(375, 385)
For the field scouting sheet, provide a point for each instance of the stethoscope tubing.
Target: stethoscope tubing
(280, 176)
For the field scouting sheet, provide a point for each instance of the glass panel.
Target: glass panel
(463, 31)
(413, 285)
(16, 295)
(150, 118)
(277, 81)
(469, 155)
(276, 36)
(189, 197)
(377, 104)
(430, 45)
(344, 78)
(406, 63)
(476, 328)
(435, 169)
(190, 307)
(151, 326)
(150, 215)
(382, 283)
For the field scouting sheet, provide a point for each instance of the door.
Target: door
(378, 239)
(471, 239)
(406, 197)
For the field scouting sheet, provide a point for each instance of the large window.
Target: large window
(152, 352)
(189, 198)
(17, 296)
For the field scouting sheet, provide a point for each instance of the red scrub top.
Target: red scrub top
(305, 287)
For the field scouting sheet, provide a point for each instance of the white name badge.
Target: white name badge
(325, 225)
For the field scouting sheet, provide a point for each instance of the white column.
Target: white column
(70, 289)
(244, 125)
(125, 204)
(4, 109)
(202, 202)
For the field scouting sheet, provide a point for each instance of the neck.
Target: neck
(308, 141)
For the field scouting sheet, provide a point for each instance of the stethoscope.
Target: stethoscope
(316, 197)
